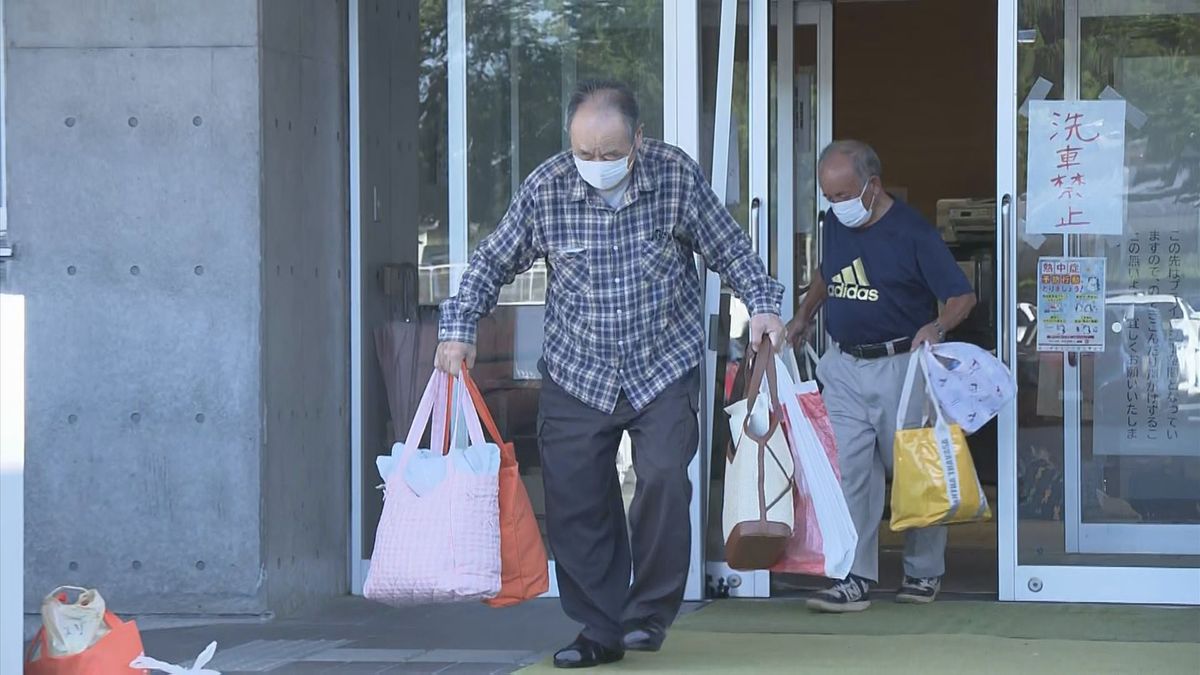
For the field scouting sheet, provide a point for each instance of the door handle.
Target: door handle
(755, 208)
(1006, 285)
(818, 319)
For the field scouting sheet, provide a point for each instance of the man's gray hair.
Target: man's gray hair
(866, 161)
(614, 94)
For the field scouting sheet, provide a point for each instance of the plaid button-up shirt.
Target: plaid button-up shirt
(624, 310)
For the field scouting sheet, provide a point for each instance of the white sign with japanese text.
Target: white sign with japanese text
(1076, 167)
(1070, 304)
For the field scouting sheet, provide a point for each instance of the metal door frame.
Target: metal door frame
(681, 127)
(1046, 583)
(1108, 538)
(12, 481)
(795, 13)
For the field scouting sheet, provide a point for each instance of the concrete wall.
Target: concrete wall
(152, 203)
(306, 464)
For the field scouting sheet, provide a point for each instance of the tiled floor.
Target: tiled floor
(352, 635)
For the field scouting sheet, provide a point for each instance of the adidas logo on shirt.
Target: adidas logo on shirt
(851, 284)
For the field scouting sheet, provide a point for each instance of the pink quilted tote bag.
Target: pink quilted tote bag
(438, 539)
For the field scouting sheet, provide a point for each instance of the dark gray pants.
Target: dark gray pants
(585, 516)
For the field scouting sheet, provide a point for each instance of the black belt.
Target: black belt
(879, 350)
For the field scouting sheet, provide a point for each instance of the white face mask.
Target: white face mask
(851, 212)
(603, 175)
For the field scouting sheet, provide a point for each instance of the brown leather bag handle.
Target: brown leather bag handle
(758, 367)
(763, 364)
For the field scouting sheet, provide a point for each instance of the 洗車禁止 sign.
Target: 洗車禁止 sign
(1076, 167)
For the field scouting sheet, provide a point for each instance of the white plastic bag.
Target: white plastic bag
(969, 384)
(72, 627)
(197, 667)
(824, 538)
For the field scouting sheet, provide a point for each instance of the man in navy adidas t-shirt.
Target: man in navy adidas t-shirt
(884, 269)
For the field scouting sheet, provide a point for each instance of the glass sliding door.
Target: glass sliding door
(766, 111)
(454, 103)
(1101, 467)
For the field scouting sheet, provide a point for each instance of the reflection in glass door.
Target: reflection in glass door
(1102, 467)
(766, 114)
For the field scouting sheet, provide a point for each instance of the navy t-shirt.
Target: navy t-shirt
(885, 280)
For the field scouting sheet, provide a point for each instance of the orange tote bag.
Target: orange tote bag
(110, 655)
(524, 571)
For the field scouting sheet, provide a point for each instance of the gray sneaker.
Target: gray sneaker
(919, 591)
(850, 595)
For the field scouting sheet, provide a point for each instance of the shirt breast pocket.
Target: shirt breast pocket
(661, 257)
(570, 270)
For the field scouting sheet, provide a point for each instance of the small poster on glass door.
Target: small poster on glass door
(1070, 311)
(1076, 167)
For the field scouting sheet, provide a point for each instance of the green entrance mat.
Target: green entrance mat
(1095, 623)
(700, 652)
(781, 636)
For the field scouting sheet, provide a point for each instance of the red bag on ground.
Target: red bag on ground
(111, 654)
(524, 570)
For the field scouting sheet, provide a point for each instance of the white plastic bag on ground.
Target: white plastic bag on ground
(824, 538)
(72, 627)
(197, 668)
(969, 384)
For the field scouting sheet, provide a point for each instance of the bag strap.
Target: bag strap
(927, 356)
(507, 453)
(812, 359)
(439, 435)
(918, 360)
(59, 594)
(464, 409)
(763, 364)
(910, 380)
(434, 396)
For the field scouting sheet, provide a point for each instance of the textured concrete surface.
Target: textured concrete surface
(135, 211)
(306, 347)
(179, 205)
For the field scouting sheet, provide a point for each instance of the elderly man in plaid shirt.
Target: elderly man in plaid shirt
(619, 218)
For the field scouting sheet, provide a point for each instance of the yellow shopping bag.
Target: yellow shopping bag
(934, 480)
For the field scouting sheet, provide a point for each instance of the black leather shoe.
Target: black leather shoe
(585, 653)
(643, 637)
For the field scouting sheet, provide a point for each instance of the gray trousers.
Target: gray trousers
(862, 396)
(594, 552)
